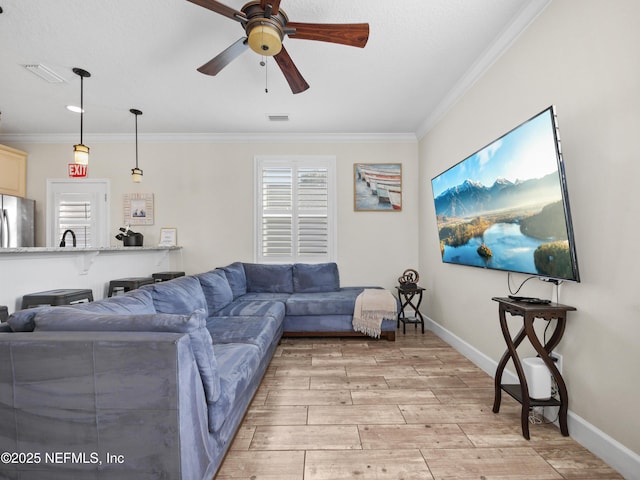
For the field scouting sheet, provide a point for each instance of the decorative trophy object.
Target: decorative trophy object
(409, 279)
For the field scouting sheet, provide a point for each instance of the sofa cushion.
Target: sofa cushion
(181, 295)
(72, 319)
(239, 363)
(341, 302)
(273, 297)
(216, 289)
(22, 320)
(319, 277)
(258, 331)
(240, 308)
(236, 277)
(136, 301)
(269, 278)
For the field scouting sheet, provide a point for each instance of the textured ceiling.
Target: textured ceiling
(144, 54)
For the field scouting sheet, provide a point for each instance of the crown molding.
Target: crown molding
(90, 139)
(502, 43)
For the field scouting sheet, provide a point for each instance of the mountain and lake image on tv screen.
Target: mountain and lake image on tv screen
(506, 206)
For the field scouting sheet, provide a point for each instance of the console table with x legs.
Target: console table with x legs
(529, 312)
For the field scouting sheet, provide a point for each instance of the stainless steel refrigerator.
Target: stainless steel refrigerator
(17, 222)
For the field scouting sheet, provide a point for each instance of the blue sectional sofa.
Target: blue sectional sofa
(153, 384)
(315, 303)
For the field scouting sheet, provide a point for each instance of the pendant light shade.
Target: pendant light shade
(136, 173)
(81, 151)
(81, 154)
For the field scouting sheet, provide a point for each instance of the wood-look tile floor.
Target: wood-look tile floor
(354, 408)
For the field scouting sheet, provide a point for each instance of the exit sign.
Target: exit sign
(77, 170)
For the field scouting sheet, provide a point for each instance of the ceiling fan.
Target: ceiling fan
(266, 25)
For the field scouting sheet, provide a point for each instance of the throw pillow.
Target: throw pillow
(181, 295)
(268, 278)
(217, 291)
(313, 278)
(237, 279)
(135, 301)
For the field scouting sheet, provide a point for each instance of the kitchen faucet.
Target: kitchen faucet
(73, 236)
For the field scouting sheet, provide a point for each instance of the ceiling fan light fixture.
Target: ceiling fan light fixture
(265, 39)
(265, 25)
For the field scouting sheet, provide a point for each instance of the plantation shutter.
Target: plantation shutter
(295, 210)
(313, 212)
(277, 212)
(75, 213)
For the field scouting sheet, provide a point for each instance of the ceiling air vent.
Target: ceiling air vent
(279, 117)
(45, 73)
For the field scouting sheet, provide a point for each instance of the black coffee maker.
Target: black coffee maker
(130, 238)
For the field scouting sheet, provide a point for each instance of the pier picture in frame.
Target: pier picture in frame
(377, 187)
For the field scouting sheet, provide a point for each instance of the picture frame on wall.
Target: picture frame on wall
(138, 208)
(168, 237)
(377, 187)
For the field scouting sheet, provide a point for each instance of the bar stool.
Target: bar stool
(61, 296)
(126, 284)
(164, 276)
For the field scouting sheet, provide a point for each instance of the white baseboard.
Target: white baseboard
(616, 455)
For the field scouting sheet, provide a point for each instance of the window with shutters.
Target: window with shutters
(80, 206)
(295, 209)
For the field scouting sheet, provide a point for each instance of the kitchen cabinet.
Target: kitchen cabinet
(13, 172)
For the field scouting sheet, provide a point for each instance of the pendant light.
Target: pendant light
(81, 151)
(136, 173)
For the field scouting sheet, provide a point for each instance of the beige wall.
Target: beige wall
(584, 59)
(581, 58)
(206, 191)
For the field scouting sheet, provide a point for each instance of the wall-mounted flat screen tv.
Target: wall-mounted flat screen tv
(506, 206)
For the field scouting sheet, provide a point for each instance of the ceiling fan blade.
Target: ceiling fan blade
(213, 66)
(291, 72)
(352, 34)
(274, 6)
(222, 9)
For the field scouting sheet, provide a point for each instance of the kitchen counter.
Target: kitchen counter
(96, 250)
(32, 269)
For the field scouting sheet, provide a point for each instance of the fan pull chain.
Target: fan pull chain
(263, 63)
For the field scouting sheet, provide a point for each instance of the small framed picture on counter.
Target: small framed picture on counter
(168, 237)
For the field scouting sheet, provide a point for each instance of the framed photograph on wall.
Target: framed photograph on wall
(138, 208)
(377, 187)
(168, 237)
